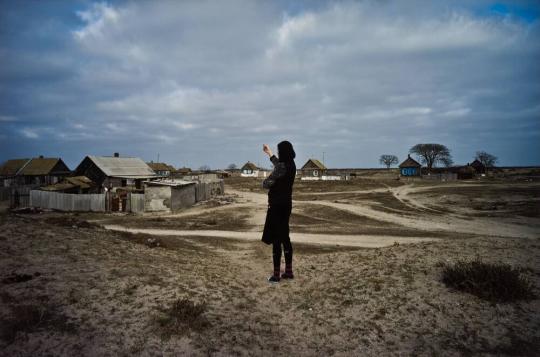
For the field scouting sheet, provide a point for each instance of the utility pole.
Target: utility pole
(158, 157)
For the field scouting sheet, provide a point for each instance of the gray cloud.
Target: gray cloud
(209, 82)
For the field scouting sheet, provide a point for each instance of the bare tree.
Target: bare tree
(447, 161)
(432, 154)
(232, 167)
(205, 168)
(486, 159)
(388, 160)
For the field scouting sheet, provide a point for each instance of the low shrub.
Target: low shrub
(492, 282)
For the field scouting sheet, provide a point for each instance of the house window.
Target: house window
(315, 173)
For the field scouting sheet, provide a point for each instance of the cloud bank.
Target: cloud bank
(209, 82)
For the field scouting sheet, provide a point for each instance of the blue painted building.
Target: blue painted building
(410, 167)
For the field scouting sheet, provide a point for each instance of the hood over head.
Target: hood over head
(285, 151)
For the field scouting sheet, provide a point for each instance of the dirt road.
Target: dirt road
(365, 241)
(426, 222)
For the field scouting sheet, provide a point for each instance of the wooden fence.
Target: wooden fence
(68, 201)
(135, 203)
(18, 196)
(100, 202)
(207, 190)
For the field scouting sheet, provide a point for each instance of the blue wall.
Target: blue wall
(409, 171)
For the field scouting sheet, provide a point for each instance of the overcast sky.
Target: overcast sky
(208, 82)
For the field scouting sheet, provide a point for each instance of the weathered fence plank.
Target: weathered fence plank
(136, 202)
(67, 201)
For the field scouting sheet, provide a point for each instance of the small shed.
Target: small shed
(410, 167)
(313, 168)
(168, 195)
(249, 170)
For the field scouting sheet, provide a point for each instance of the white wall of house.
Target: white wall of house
(250, 173)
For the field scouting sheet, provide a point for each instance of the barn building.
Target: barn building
(410, 167)
(115, 171)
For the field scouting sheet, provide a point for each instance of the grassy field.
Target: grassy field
(71, 287)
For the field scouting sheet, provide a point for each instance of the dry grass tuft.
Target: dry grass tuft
(182, 316)
(492, 282)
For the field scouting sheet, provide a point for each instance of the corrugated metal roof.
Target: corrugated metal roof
(11, 167)
(123, 167)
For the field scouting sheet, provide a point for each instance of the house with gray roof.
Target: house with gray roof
(115, 171)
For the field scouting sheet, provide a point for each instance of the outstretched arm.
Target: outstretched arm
(279, 168)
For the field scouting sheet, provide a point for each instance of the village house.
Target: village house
(161, 168)
(33, 172)
(115, 171)
(410, 167)
(313, 169)
(249, 170)
(8, 171)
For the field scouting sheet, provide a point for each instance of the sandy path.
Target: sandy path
(447, 222)
(344, 192)
(364, 241)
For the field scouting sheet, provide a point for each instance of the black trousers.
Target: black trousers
(276, 253)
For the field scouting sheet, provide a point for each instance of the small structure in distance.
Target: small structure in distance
(161, 169)
(249, 170)
(410, 168)
(313, 169)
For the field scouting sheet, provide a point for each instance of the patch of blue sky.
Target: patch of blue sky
(528, 12)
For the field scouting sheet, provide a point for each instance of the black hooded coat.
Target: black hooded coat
(280, 184)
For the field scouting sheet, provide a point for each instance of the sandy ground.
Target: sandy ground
(95, 291)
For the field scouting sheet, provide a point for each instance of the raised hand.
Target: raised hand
(267, 150)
